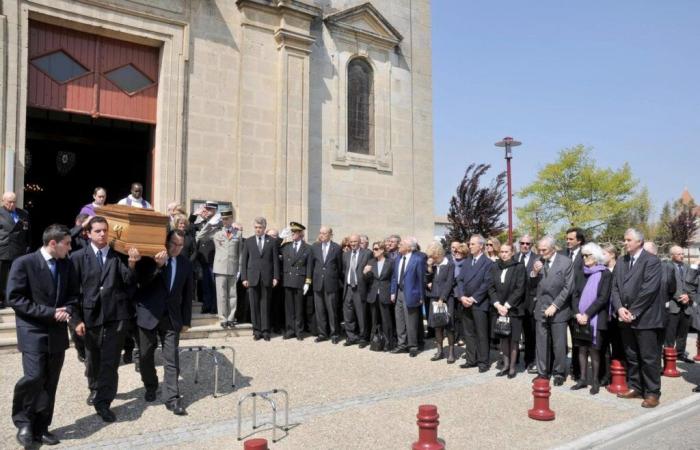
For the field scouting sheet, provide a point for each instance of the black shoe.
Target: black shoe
(349, 342)
(176, 407)
(398, 349)
(266, 336)
(47, 438)
(363, 344)
(223, 325)
(287, 336)
(106, 414)
(685, 359)
(511, 375)
(91, 398)
(299, 338)
(81, 357)
(467, 365)
(502, 373)
(128, 358)
(579, 385)
(320, 339)
(595, 388)
(413, 352)
(24, 436)
(150, 396)
(257, 337)
(558, 380)
(483, 369)
(335, 340)
(231, 324)
(696, 388)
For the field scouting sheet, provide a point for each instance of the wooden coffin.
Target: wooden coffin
(144, 229)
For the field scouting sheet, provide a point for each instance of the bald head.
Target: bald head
(325, 234)
(650, 247)
(354, 241)
(676, 254)
(9, 200)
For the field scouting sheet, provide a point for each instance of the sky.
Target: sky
(622, 77)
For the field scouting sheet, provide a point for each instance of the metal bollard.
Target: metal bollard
(428, 429)
(273, 404)
(541, 393)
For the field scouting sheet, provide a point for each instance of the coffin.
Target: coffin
(144, 229)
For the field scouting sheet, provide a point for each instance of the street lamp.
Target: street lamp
(508, 143)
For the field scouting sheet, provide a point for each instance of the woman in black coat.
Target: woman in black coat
(507, 294)
(378, 272)
(440, 278)
(591, 304)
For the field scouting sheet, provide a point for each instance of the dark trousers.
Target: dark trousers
(325, 304)
(293, 311)
(354, 315)
(78, 342)
(310, 313)
(35, 392)
(148, 341)
(103, 348)
(676, 333)
(259, 298)
(475, 326)
(643, 351)
(551, 343)
(381, 319)
(529, 338)
(407, 322)
(277, 308)
(4, 272)
(208, 290)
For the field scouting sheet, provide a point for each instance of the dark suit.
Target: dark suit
(579, 283)
(296, 272)
(379, 298)
(639, 290)
(528, 307)
(106, 308)
(553, 285)
(474, 280)
(355, 294)
(14, 242)
(162, 311)
(678, 318)
(408, 290)
(327, 276)
(35, 294)
(259, 269)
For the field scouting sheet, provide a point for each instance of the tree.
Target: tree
(663, 237)
(476, 209)
(635, 217)
(684, 226)
(573, 191)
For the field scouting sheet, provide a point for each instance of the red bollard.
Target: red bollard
(541, 393)
(670, 357)
(428, 429)
(255, 444)
(618, 382)
(697, 349)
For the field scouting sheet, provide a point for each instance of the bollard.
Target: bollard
(541, 393)
(618, 383)
(697, 348)
(255, 444)
(670, 357)
(428, 429)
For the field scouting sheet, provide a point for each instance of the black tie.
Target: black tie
(168, 272)
(631, 262)
(99, 259)
(546, 267)
(260, 244)
(401, 272)
(53, 269)
(473, 262)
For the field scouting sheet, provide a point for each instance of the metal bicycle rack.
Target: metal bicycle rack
(214, 352)
(266, 396)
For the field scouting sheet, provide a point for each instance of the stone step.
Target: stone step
(7, 330)
(8, 345)
(215, 331)
(7, 315)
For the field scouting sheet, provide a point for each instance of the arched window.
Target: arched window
(360, 107)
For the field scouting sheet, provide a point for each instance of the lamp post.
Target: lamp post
(508, 143)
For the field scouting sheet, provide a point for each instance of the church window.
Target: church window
(360, 107)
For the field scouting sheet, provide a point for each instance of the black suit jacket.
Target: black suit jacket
(154, 300)
(296, 267)
(14, 237)
(105, 294)
(327, 275)
(601, 304)
(257, 268)
(442, 281)
(475, 281)
(34, 296)
(363, 257)
(529, 297)
(511, 290)
(639, 290)
(379, 284)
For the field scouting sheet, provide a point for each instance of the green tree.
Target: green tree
(573, 191)
(636, 217)
(663, 237)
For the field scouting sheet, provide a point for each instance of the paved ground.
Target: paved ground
(340, 398)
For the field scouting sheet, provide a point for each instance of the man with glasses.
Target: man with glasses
(527, 257)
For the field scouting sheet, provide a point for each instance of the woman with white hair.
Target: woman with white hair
(590, 303)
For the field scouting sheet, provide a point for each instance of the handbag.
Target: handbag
(502, 326)
(378, 340)
(581, 332)
(439, 316)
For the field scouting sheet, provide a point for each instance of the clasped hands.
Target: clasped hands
(467, 302)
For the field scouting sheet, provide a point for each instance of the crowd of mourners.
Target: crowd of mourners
(530, 302)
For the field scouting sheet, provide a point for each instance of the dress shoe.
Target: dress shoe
(595, 388)
(483, 369)
(91, 398)
(363, 344)
(398, 349)
(558, 380)
(299, 338)
(176, 407)
(257, 337)
(650, 401)
(685, 359)
(150, 396)
(413, 352)
(231, 324)
(511, 375)
(349, 342)
(106, 414)
(287, 336)
(696, 388)
(223, 324)
(81, 357)
(532, 370)
(579, 385)
(47, 438)
(630, 394)
(437, 356)
(266, 337)
(320, 339)
(502, 373)
(467, 365)
(24, 436)
(128, 358)
(335, 340)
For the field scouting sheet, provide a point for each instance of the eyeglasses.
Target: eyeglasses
(525, 243)
(586, 255)
(488, 244)
(375, 249)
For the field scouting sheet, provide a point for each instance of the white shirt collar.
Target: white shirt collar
(45, 254)
(638, 252)
(551, 260)
(103, 251)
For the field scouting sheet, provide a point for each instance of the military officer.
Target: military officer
(296, 278)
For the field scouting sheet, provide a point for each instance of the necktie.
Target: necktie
(169, 273)
(52, 268)
(15, 217)
(631, 262)
(296, 247)
(401, 272)
(260, 244)
(546, 267)
(353, 269)
(99, 259)
(473, 262)
(681, 270)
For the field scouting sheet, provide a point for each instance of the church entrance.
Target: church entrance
(91, 115)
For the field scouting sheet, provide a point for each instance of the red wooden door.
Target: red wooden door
(83, 73)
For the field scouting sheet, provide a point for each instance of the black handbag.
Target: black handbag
(439, 315)
(378, 340)
(580, 332)
(502, 326)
